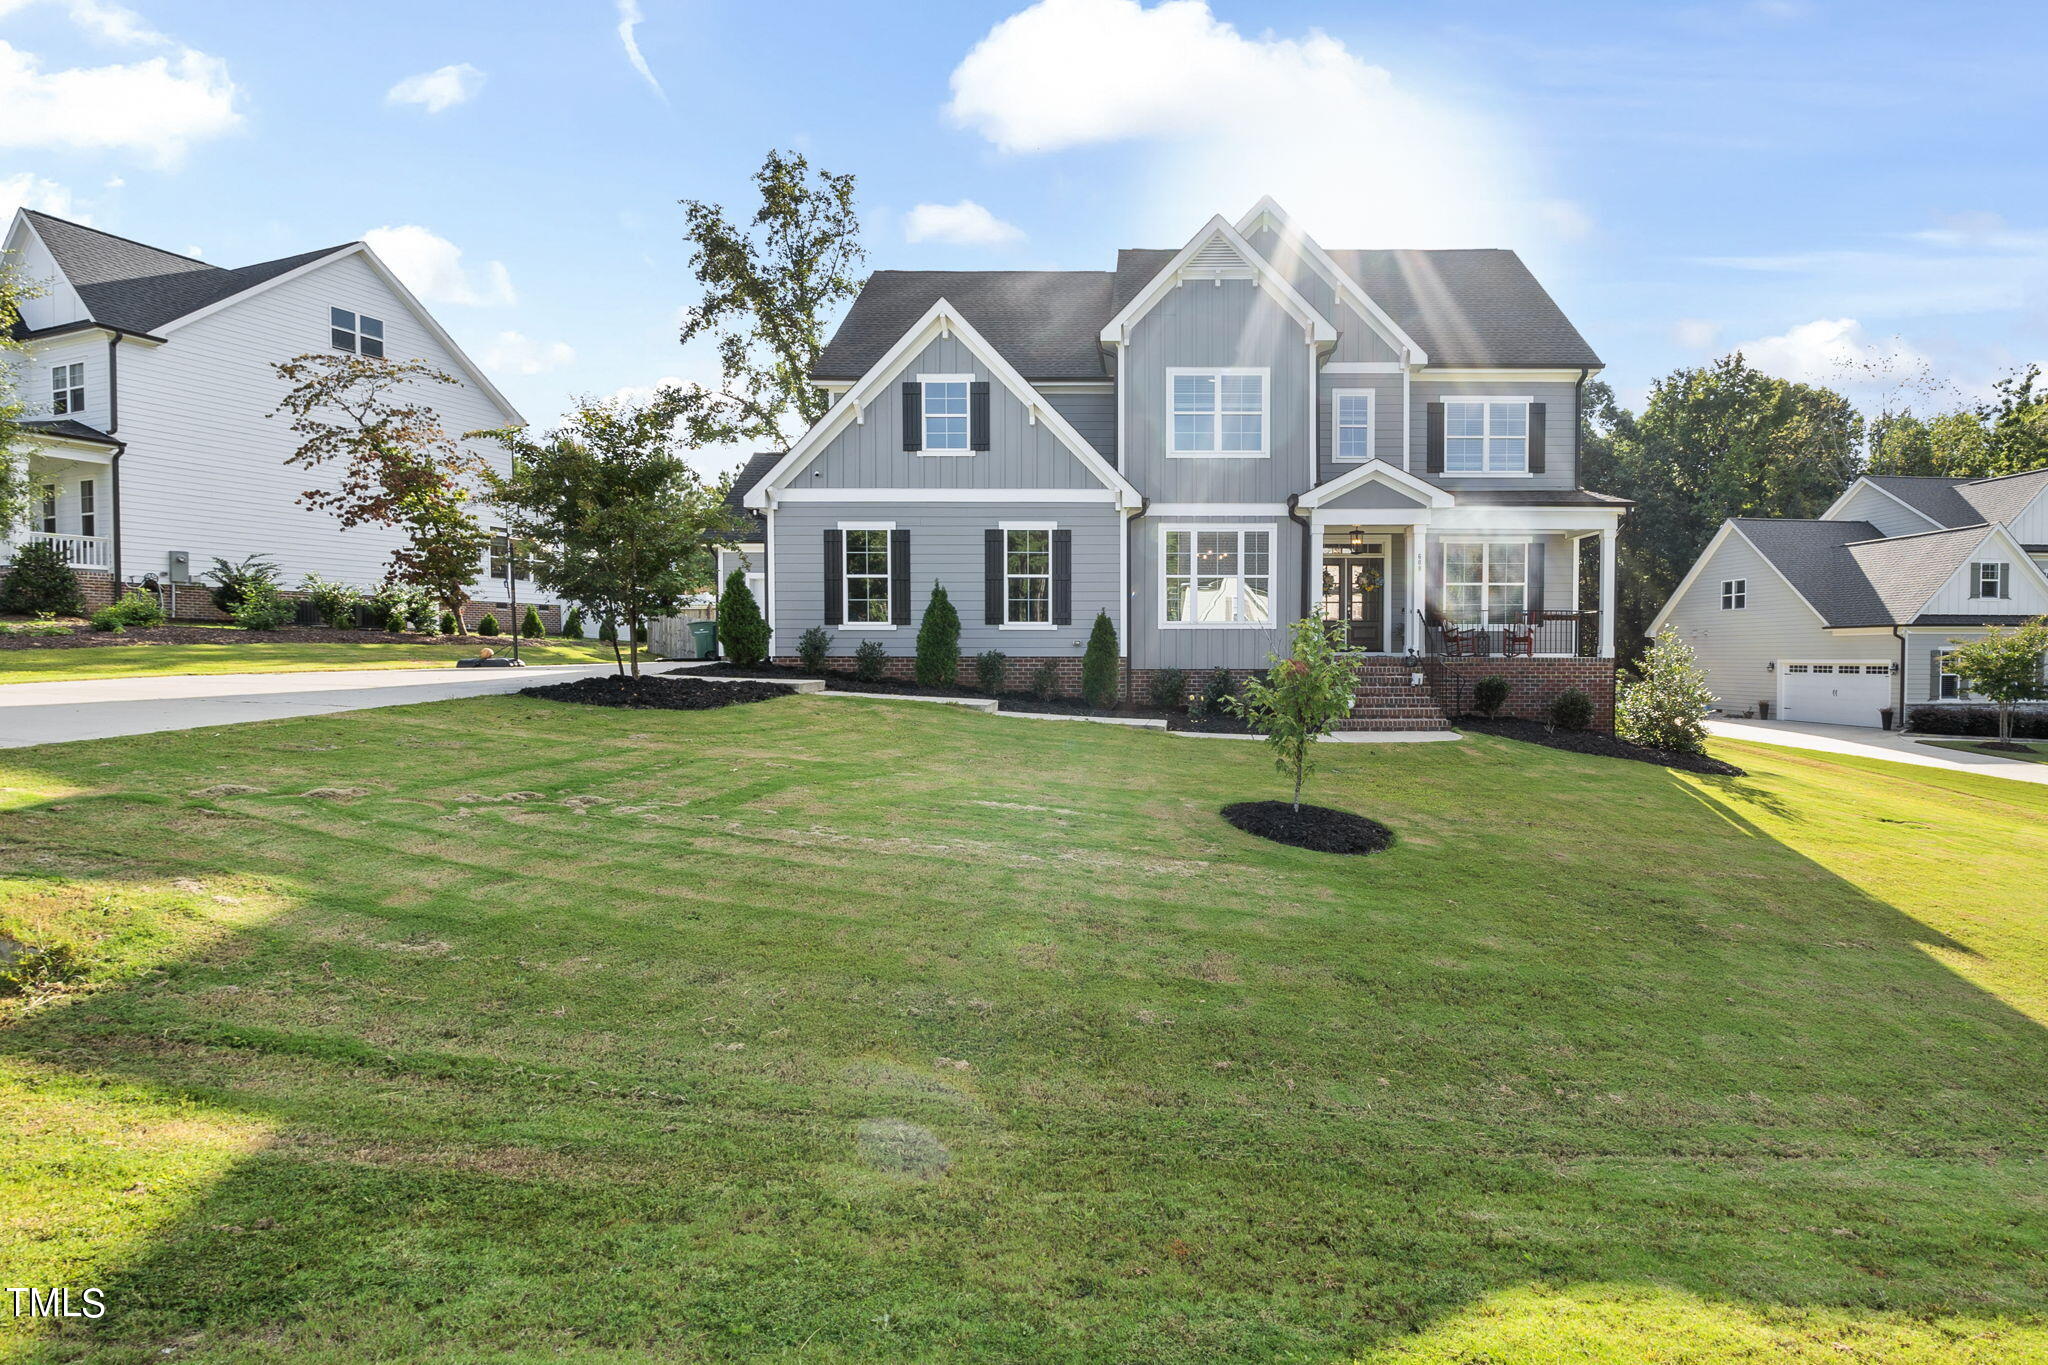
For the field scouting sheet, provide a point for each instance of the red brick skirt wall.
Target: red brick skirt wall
(1019, 673)
(1532, 684)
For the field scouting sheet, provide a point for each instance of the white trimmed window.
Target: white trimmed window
(1217, 577)
(1991, 578)
(50, 509)
(1486, 435)
(88, 508)
(1734, 594)
(1486, 582)
(867, 576)
(1217, 412)
(1351, 424)
(1027, 575)
(1950, 686)
(945, 411)
(357, 332)
(67, 388)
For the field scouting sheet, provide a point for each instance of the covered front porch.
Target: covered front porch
(72, 505)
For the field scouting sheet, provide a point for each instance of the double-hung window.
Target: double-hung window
(1486, 435)
(1991, 578)
(945, 411)
(1351, 424)
(1218, 412)
(357, 332)
(50, 509)
(1217, 577)
(1486, 582)
(1027, 575)
(867, 576)
(1949, 686)
(1734, 594)
(88, 508)
(67, 388)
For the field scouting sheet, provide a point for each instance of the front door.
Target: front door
(1354, 592)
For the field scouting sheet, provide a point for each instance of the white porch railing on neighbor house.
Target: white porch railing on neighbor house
(80, 552)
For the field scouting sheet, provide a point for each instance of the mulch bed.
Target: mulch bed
(1225, 724)
(1317, 828)
(1597, 742)
(85, 637)
(840, 681)
(657, 692)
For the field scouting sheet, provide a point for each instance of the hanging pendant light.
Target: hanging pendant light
(1357, 541)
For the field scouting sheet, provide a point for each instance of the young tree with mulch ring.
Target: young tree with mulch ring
(1300, 699)
(938, 641)
(2005, 668)
(742, 630)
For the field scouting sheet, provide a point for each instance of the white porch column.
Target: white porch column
(1418, 591)
(1607, 593)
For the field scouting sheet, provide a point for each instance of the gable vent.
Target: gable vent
(1217, 254)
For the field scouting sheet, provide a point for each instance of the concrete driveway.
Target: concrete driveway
(1868, 743)
(99, 708)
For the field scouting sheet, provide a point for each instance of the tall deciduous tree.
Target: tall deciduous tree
(17, 479)
(399, 467)
(615, 515)
(767, 293)
(2015, 421)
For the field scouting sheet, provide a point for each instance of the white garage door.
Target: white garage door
(1835, 694)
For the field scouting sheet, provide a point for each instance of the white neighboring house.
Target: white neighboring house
(149, 385)
(1833, 619)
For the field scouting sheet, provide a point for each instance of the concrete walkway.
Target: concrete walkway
(1867, 743)
(100, 708)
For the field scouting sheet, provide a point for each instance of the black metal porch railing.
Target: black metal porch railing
(1552, 634)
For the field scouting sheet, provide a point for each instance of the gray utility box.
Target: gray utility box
(180, 566)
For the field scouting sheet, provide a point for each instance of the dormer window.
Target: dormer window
(356, 332)
(1218, 412)
(67, 388)
(1991, 579)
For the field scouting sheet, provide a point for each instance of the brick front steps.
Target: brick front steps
(1387, 700)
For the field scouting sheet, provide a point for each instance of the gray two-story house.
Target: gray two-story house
(1206, 444)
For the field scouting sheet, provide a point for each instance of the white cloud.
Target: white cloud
(442, 88)
(523, 355)
(156, 108)
(630, 19)
(112, 22)
(1836, 352)
(26, 191)
(963, 224)
(1232, 117)
(432, 267)
(1695, 334)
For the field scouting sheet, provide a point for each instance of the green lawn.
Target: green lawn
(2034, 751)
(844, 1030)
(241, 656)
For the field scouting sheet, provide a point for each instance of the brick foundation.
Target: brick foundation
(1532, 684)
(1019, 673)
(96, 587)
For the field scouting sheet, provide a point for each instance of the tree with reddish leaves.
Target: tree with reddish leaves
(399, 467)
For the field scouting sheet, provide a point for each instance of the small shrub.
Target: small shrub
(1217, 689)
(41, 581)
(35, 968)
(489, 625)
(136, 608)
(811, 648)
(991, 670)
(1666, 705)
(1570, 709)
(869, 661)
(530, 626)
(572, 624)
(608, 630)
(449, 625)
(1489, 694)
(336, 602)
(262, 607)
(1169, 689)
(1098, 664)
(938, 641)
(742, 630)
(1979, 722)
(1045, 681)
(640, 633)
(419, 618)
(233, 582)
(36, 628)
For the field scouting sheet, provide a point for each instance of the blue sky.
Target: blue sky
(1821, 183)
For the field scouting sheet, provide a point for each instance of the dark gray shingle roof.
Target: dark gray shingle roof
(1814, 557)
(753, 472)
(1934, 496)
(1907, 570)
(69, 429)
(126, 284)
(1537, 497)
(1044, 322)
(1479, 307)
(2003, 498)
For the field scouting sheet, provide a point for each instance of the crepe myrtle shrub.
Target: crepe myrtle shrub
(869, 661)
(2004, 668)
(1098, 663)
(742, 630)
(1570, 709)
(489, 625)
(232, 582)
(530, 626)
(134, 608)
(812, 647)
(262, 607)
(1489, 694)
(938, 640)
(1169, 689)
(1300, 699)
(41, 580)
(1665, 705)
(1045, 681)
(991, 670)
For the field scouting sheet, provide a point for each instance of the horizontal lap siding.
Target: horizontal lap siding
(946, 543)
(32, 378)
(1233, 647)
(1886, 513)
(1559, 436)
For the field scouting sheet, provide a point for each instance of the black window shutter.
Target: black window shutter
(1535, 588)
(913, 415)
(1934, 675)
(1536, 435)
(899, 577)
(835, 578)
(1435, 462)
(1063, 578)
(977, 415)
(992, 576)
(1976, 580)
(2005, 580)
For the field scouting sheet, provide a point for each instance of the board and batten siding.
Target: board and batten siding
(1357, 339)
(1225, 324)
(1953, 597)
(1883, 511)
(1157, 646)
(1386, 421)
(1738, 647)
(1092, 413)
(870, 454)
(57, 303)
(205, 467)
(946, 545)
(1560, 464)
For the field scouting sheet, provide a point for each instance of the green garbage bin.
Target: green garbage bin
(704, 635)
